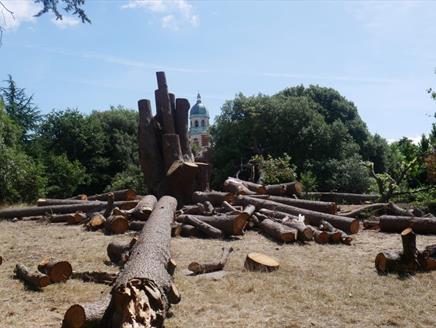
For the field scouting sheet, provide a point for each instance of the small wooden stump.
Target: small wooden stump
(56, 270)
(260, 262)
(117, 224)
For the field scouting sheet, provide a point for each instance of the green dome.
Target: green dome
(199, 109)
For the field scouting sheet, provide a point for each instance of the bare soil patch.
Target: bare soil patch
(316, 285)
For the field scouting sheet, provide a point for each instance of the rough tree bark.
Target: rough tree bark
(144, 208)
(278, 231)
(205, 228)
(56, 270)
(389, 223)
(34, 280)
(230, 225)
(140, 294)
(215, 197)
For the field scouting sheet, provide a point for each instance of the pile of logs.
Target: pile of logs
(410, 260)
(272, 210)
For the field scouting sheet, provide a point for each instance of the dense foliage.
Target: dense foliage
(319, 129)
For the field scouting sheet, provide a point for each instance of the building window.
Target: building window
(203, 124)
(196, 123)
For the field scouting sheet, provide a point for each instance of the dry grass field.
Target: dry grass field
(316, 286)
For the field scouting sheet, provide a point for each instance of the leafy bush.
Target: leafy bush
(274, 170)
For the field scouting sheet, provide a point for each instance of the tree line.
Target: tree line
(313, 134)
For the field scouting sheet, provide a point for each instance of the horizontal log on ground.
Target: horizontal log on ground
(255, 187)
(397, 210)
(320, 237)
(116, 224)
(278, 231)
(260, 262)
(346, 224)
(342, 197)
(304, 232)
(205, 228)
(34, 279)
(215, 197)
(56, 270)
(96, 221)
(371, 224)
(77, 218)
(237, 187)
(85, 315)
(205, 267)
(143, 209)
(189, 231)
(56, 209)
(99, 277)
(60, 218)
(282, 189)
(119, 195)
(230, 225)
(326, 207)
(421, 225)
(198, 209)
(364, 208)
(427, 258)
(335, 236)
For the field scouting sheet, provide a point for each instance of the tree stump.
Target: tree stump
(260, 262)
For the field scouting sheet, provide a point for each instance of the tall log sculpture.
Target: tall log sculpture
(142, 292)
(164, 152)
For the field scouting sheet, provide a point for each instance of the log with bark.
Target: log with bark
(86, 315)
(397, 210)
(427, 258)
(136, 225)
(144, 208)
(217, 265)
(34, 280)
(278, 231)
(119, 252)
(335, 235)
(96, 221)
(235, 186)
(99, 277)
(56, 270)
(260, 262)
(320, 237)
(289, 188)
(116, 224)
(400, 262)
(77, 218)
(189, 231)
(326, 207)
(255, 187)
(314, 218)
(140, 296)
(342, 197)
(119, 195)
(364, 208)
(215, 197)
(60, 218)
(421, 225)
(230, 225)
(205, 228)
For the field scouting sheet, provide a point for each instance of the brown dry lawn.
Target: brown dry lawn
(316, 286)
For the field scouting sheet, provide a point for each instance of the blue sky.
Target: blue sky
(380, 55)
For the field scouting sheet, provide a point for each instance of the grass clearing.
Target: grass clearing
(316, 286)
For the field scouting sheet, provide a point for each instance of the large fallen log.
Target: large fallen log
(215, 197)
(199, 268)
(326, 207)
(230, 225)
(119, 195)
(277, 231)
(140, 296)
(314, 218)
(34, 280)
(205, 228)
(421, 225)
(144, 208)
(342, 197)
(60, 218)
(85, 315)
(56, 270)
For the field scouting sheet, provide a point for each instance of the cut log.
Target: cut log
(236, 187)
(203, 176)
(371, 224)
(77, 218)
(335, 236)
(204, 227)
(98, 277)
(182, 119)
(116, 224)
(119, 195)
(85, 315)
(255, 187)
(189, 231)
(397, 210)
(230, 225)
(56, 270)
(215, 197)
(245, 215)
(118, 252)
(140, 294)
(260, 262)
(304, 232)
(314, 218)
(289, 188)
(364, 208)
(193, 209)
(80, 197)
(171, 267)
(278, 231)
(54, 201)
(96, 221)
(199, 268)
(387, 262)
(320, 237)
(150, 154)
(342, 197)
(171, 150)
(34, 280)
(326, 207)
(136, 225)
(421, 225)
(142, 211)
(427, 258)
(109, 205)
(60, 218)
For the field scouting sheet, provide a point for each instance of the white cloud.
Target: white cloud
(173, 13)
(23, 11)
(65, 22)
(415, 140)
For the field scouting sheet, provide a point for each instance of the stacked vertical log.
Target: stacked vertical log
(164, 151)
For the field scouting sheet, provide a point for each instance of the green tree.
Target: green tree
(20, 108)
